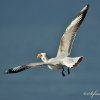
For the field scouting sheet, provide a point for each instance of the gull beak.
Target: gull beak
(39, 56)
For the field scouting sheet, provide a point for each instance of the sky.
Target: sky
(29, 27)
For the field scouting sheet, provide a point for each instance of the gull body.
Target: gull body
(62, 62)
(63, 58)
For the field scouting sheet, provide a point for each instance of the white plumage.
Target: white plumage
(62, 59)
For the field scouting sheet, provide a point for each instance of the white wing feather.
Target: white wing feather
(70, 33)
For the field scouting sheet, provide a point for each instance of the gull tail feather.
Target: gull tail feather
(72, 61)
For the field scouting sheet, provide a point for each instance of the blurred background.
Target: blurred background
(29, 27)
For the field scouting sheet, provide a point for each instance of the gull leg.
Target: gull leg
(68, 71)
(63, 72)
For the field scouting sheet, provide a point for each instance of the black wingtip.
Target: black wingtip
(85, 8)
(9, 71)
(88, 6)
(16, 69)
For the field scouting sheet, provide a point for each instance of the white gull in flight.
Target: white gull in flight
(63, 58)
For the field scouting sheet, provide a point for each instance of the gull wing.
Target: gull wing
(24, 67)
(68, 37)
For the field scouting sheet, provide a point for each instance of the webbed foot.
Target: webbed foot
(63, 72)
(68, 71)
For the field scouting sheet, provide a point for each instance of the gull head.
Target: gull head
(42, 56)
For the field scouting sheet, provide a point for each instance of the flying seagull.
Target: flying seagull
(63, 59)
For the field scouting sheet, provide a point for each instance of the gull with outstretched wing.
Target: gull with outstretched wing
(62, 59)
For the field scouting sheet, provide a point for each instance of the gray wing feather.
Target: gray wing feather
(24, 67)
(68, 37)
